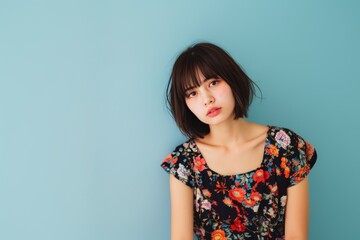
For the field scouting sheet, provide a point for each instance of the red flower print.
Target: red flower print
(218, 235)
(249, 202)
(283, 162)
(228, 202)
(261, 176)
(283, 165)
(287, 172)
(171, 158)
(301, 173)
(220, 187)
(300, 143)
(272, 150)
(199, 164)
(237, 226)
(256, 196)
(309, 151)
(206, 193)
(273, 188)
(237, 194)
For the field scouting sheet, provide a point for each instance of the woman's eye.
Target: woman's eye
(190, 94)
(214, 83)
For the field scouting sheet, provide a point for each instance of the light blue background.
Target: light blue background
(84, 127)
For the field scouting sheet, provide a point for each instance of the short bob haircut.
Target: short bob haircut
(212, 62)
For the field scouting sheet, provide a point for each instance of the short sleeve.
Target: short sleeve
(178, 163)
(300, 161)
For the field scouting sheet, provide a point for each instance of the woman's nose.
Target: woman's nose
(208, 99)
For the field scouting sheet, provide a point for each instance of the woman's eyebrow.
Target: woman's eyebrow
(203, 81)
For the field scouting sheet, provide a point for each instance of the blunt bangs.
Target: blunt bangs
(188, 77)
(212, 62)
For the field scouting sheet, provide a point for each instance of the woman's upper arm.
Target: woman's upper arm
(181, 210)
(297, 211)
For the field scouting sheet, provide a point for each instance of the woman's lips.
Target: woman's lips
(213, 112)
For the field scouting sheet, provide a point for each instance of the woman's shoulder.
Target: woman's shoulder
(289, 140)
(187, 146)
(283, 133)
(180, 162)
(277, 128)
(297, 156)
(183, 152)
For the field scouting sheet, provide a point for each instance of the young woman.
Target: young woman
(232, 179)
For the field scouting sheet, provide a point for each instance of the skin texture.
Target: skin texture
(228, 140)
(297, 211)
(181, 210)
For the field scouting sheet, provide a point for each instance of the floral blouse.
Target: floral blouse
(248, 205)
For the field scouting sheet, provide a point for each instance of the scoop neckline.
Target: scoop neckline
(237, 174)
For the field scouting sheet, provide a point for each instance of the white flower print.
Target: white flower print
(283, 200)
(206, 204)
(198, 197)
(183, 172)
(271, 213)
(282, 138)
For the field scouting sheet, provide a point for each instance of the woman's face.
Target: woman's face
(213, 102)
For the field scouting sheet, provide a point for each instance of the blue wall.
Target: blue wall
(84, 127)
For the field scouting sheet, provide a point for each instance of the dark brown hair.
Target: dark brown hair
(212, 62)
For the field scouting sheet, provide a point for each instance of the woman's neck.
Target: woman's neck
(230, 132)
